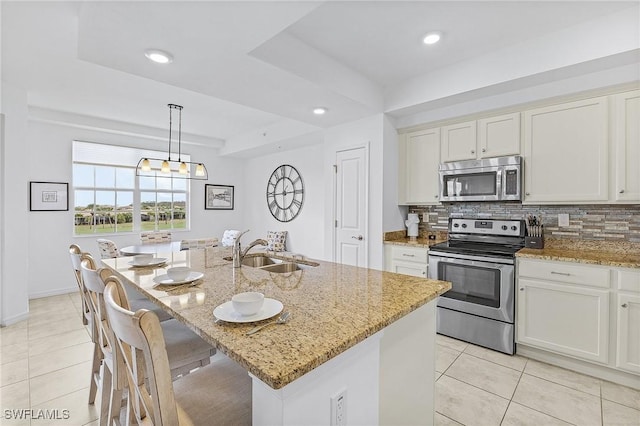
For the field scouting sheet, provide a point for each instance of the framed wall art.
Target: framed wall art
(218, 197)
(48, 196)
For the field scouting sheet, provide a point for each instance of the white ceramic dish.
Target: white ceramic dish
(164, 279)
(248, 303)
(270, 308)
(153, 262)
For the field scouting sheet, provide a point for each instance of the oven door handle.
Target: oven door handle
(491, 260)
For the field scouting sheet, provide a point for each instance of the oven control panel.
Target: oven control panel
(509, 228)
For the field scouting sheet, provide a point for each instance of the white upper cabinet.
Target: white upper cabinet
(419, 159)
(626, 136)
(566, 153)
(458, 142)
(499, 136)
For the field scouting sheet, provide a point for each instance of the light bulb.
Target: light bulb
(200, 170)
(146, 165)
(432, 38)
(183, 168)
(165, 167)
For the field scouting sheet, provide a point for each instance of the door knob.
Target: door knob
(359, 237)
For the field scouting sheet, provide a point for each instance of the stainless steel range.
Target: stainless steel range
(479, 261)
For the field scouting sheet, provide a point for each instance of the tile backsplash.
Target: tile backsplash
(586, 222)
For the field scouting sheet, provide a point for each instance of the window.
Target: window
(109, 197)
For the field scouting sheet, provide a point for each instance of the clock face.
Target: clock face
(285, 193)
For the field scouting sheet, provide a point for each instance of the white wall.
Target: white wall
(305, 232)
(51, 233)
(358, 133)
(14, 270)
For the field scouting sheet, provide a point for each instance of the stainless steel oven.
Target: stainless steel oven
(479, 261)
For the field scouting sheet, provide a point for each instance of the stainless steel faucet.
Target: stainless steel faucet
(238, 254)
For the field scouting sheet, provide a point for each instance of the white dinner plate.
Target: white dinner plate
(153, 262)
(164, 279)
(270, 308)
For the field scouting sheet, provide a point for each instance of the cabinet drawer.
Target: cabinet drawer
(409, 254)
(572, 273)
(628, 279)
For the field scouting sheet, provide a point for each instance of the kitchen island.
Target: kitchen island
(365, 333)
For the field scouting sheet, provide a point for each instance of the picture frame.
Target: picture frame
(48, 196)
(218, 197)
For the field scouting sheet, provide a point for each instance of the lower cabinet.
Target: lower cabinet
(587, 312)
(628, 341)
(406, 260)
(567, 319)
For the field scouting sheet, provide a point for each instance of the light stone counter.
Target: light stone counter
(334, 307)
(607, 253)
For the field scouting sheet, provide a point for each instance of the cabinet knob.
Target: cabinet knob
(622, 191)
(527, 193)
(435, 196)
(521, 288)
(473, 151)
(408, 255)
(561, 273)
(624, 305)
(423, 272)
(484, 149)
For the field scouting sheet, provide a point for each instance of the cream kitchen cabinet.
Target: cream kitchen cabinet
(458, 142)
(566, 153)
(488, 137)
(406, 260)
(499, 136)
(626, 136)
(628, 320)
(419, 158)
(564, 308)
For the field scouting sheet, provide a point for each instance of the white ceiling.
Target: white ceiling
(242, 69)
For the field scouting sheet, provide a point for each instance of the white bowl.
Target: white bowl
(248, 303)
(178, 273)
(143, 259)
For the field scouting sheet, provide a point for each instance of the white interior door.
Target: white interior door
(351, 207)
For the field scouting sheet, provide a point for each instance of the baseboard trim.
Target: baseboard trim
(56, 292)
(584, 367)
(14, 319)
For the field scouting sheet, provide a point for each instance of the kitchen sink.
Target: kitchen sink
(257, 261)
(282, 268)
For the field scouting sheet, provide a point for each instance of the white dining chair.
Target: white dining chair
(187, 350)
(155, 237)
(189, 244)
(218, 394)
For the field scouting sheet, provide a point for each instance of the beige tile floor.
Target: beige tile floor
(477, 386)
(45, 363)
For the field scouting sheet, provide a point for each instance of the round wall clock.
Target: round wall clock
(285, 193)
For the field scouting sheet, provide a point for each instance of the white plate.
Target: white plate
(164, 279)
(153, 262)
(270, 308)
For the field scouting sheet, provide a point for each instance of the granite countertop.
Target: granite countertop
(418, 242)
(607, 253)
(333, 307)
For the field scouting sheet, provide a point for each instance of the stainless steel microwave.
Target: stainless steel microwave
(489, 179)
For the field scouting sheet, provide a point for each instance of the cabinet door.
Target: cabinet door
(566, 152)
(562, 318)
(628, 339)
(418, 168)
(458, 142)
(409, 268)
(498, 136)
(627, 143)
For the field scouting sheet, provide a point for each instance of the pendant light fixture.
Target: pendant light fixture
(178, 169)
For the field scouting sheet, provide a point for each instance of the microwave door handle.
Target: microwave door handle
(500, 184)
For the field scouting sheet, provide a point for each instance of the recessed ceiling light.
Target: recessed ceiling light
(432, 37)
(320, 110)
(158, 56)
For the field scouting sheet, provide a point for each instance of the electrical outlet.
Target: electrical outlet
(563, 219)
(339, 408)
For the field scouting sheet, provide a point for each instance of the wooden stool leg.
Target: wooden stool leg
(95, 373)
